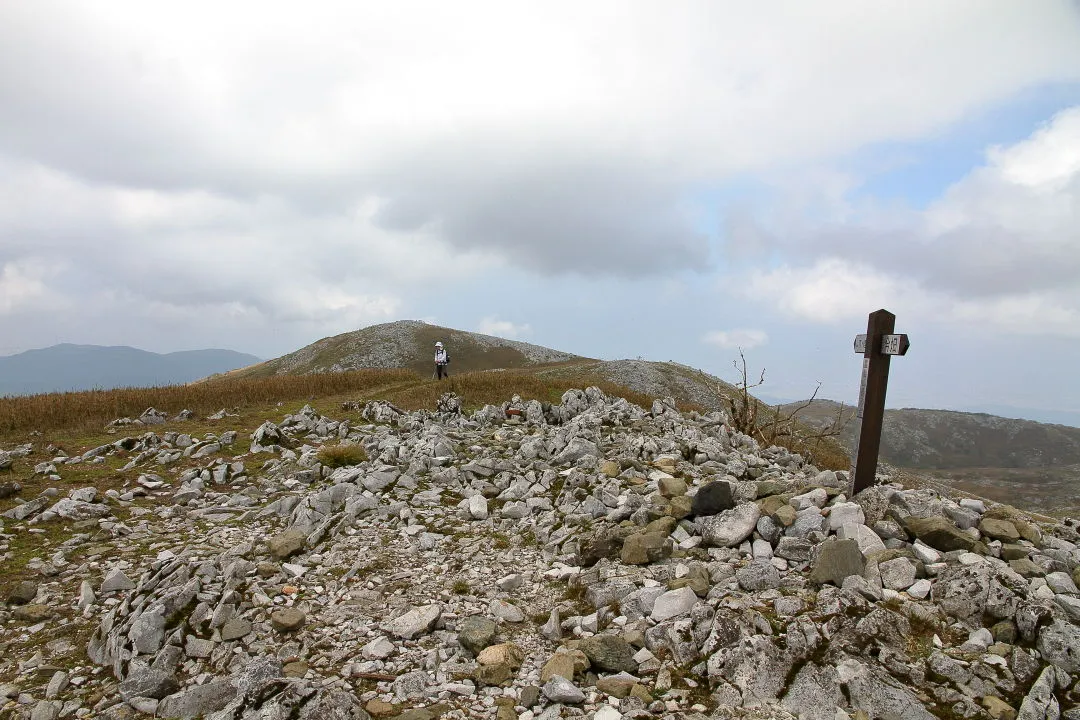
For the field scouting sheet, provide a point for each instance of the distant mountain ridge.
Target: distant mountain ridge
(67, 367)
(942, 439)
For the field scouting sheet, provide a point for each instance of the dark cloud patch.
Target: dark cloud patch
(555, 217)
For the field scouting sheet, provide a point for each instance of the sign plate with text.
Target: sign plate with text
(890, 344)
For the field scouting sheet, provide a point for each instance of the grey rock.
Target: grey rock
(897, 574)
(46, 710)
(506, 611)
(1071, 606)
(476, 633)
(560, 690)
(969, 592)
(878, 695)
(794, 549)
(235, 629)
(79, 510)
(814, 693)
(837, 559)
(640, 603)
(609, 652)
(957, 671)
(816, 498)
(57, 684)
(848, 513)
(577, 449)
(287, 620)
(195, 647)
(197, 700)
(769, 529)
(1061, 583)
(415, 622)
(378, 649)
(25, 592)
(963, 517)
(26, 509)
(116, 581)
(478, 509)
(758, 576)
(147, 633)
(712, 498)
(410, 685)
(868, 540)
(286, 544)
(256, 675)
(1059, 644)
(1040, 703)
(939, 533)
(149, 682)
(808, 521)
(552, 629)
(762, 549)
(673, 603)
(755, 666)
(862, 586)
(974, 505)
(730, 527)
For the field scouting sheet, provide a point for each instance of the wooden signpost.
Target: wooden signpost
(878, 345)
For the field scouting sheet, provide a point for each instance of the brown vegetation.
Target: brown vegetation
(95, 408)
(780, 425)
(336, 456)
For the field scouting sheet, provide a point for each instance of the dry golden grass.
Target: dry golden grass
(95, 408)
(336, 456)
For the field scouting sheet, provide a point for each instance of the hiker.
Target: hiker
(442, 359)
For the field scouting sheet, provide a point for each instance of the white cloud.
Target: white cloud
(1001, 245)
(744, 339)
(551, 137)
(328, 169)
(23, 283)
(492, 325)
(829, 291)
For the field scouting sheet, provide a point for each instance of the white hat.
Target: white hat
(438, 344)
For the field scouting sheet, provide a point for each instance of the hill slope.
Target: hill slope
(940, 439)
(984, 454)
(407, 344)
(66, 367)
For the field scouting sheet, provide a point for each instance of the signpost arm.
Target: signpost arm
(871, 415)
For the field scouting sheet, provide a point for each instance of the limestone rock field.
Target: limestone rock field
(587, 558)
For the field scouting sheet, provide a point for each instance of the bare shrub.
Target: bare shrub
(777, 425)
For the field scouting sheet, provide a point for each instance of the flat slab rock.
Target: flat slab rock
(415, 622)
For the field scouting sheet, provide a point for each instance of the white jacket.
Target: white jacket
(440, 356)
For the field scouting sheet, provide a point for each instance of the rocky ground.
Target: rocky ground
(587, 559)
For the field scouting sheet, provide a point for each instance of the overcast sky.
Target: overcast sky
(616, 179)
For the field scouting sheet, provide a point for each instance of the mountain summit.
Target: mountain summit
(408, 344)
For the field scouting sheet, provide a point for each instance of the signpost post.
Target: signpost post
(878, 345)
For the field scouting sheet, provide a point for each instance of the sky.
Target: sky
(619, 179)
